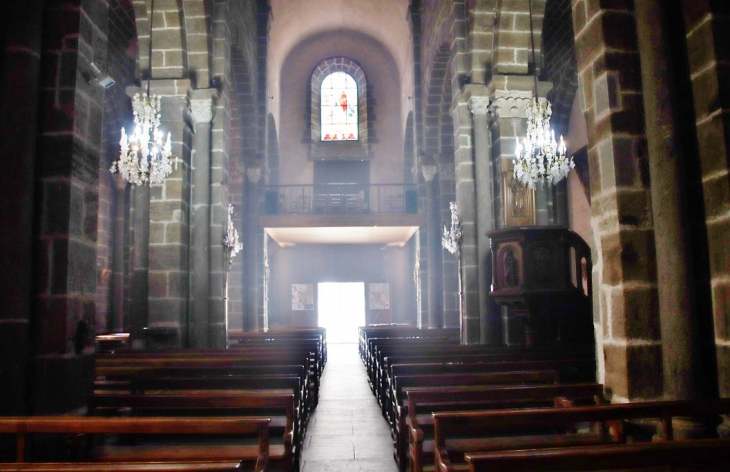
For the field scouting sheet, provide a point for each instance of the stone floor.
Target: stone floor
(347, 431)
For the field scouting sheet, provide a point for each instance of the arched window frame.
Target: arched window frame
(338, 149)
(340, 119)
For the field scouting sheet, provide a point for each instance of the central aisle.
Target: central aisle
(347, 432)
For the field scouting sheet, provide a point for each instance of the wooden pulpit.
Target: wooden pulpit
(542, 275)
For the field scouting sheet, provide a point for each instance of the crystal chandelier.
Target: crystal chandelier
(230, 239)
(540, 157)
(144, 157)
(451, 240)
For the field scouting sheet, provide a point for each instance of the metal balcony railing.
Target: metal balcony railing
(323, 199)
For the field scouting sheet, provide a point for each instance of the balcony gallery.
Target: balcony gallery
(340, 213)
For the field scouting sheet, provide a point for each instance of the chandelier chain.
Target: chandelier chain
(540, 158)
(145, 157)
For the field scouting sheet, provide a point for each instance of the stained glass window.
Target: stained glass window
(339, 108)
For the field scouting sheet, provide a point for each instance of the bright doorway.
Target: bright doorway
(341, 310)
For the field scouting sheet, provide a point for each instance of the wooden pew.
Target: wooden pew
(398, 410)
(377, 346)
(569, 370)
(192, 466)
(459, 433)
(413, 334)
(254, 427)
(210, 384)
(382, 330)
(408, 355)
(702, 455)
(277, 404)
(404, 382)
(229, 358)
(282, 333)
(423, 402)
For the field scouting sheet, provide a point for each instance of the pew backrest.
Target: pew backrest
(248, 425)
(706, 455)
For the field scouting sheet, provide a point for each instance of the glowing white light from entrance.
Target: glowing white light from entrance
(341, 309)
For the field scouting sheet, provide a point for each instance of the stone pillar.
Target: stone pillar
(510, 96)
(20, 59)
(681, 350)
(117, 295)
(705, 28)
(479, 105)
(433, 228)
(140, 264)
(169, 226)
(201, 113)
(251, 320)
(626, 319)
(67, 181)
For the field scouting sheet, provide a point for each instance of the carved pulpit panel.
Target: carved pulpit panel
(519, 202)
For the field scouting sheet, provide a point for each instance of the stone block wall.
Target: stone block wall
(624, 271)
(169, 215)
(169, 57)
(512, 42)
(120, 65)
(68, 170)
(708, 44)
(481, 20)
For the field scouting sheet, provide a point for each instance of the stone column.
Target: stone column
(66, 188)
(510, 96)
(433, 228)
(479, 106)
(140, 264)
(201, 113)
(626, 320)
(19, 94)
(681, 353)
(117, 295)
(704, 28)
(169, 226)
(250, 249)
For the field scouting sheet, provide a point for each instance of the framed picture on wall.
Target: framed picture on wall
(379, 297)
(302, 297)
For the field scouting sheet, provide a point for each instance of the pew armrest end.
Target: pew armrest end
(262, 463)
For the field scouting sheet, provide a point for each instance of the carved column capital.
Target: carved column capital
(202, 105)
(479, 105)
(511, 103)
(201, 110)
(429, 172)
(253, 174)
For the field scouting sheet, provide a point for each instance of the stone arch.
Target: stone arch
(320, 72)
(434, 87)
(242, 153)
